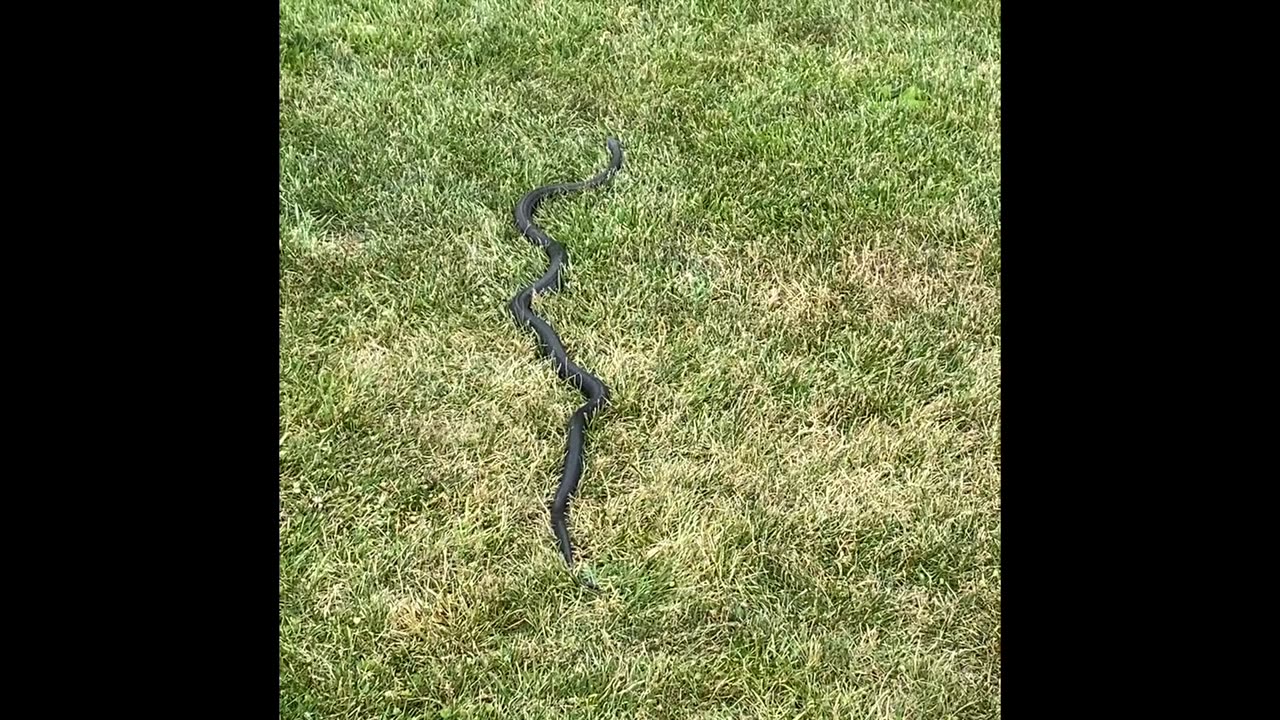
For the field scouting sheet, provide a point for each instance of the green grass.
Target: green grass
(793, 505)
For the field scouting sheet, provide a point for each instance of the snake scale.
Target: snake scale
(549, 344)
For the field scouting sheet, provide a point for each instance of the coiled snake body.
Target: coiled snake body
(550, 345)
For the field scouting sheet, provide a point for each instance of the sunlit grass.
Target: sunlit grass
(792, 505)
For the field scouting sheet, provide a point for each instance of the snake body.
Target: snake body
(550, 345)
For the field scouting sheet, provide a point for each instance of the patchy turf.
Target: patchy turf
(793, 504)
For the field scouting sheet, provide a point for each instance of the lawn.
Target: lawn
(792, 506)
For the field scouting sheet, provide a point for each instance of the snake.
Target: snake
(594, 391)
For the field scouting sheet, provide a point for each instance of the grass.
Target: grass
(793, 505)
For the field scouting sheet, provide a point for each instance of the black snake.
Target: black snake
(550, 345)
